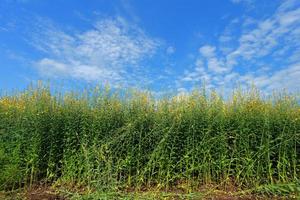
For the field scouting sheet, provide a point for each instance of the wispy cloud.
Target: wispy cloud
(266, 53)
(170, 50)
(111, 51)
(250, 4)
(213, 62)
(242, 1)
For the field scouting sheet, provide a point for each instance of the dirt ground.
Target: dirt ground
(35, 193)
(47, 193)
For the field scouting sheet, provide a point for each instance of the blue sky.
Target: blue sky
(161, 45)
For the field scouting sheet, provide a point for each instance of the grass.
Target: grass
(110, 141)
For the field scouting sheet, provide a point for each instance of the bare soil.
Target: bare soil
(42, 193)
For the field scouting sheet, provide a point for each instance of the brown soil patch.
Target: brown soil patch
(43, 193)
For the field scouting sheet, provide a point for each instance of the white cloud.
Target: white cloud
(171, 50)
(214, 64)
(225, 38)
(207, 51)
(110, 51)
(52, 68)
(287, 78)
(266, 53)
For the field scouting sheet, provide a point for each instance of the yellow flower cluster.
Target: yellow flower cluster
(8, 103)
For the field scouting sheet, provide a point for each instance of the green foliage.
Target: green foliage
(111, 140)
(290, 190)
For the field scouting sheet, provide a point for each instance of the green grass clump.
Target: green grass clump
(118, 141)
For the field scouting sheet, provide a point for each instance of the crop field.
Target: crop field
(101, 142)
